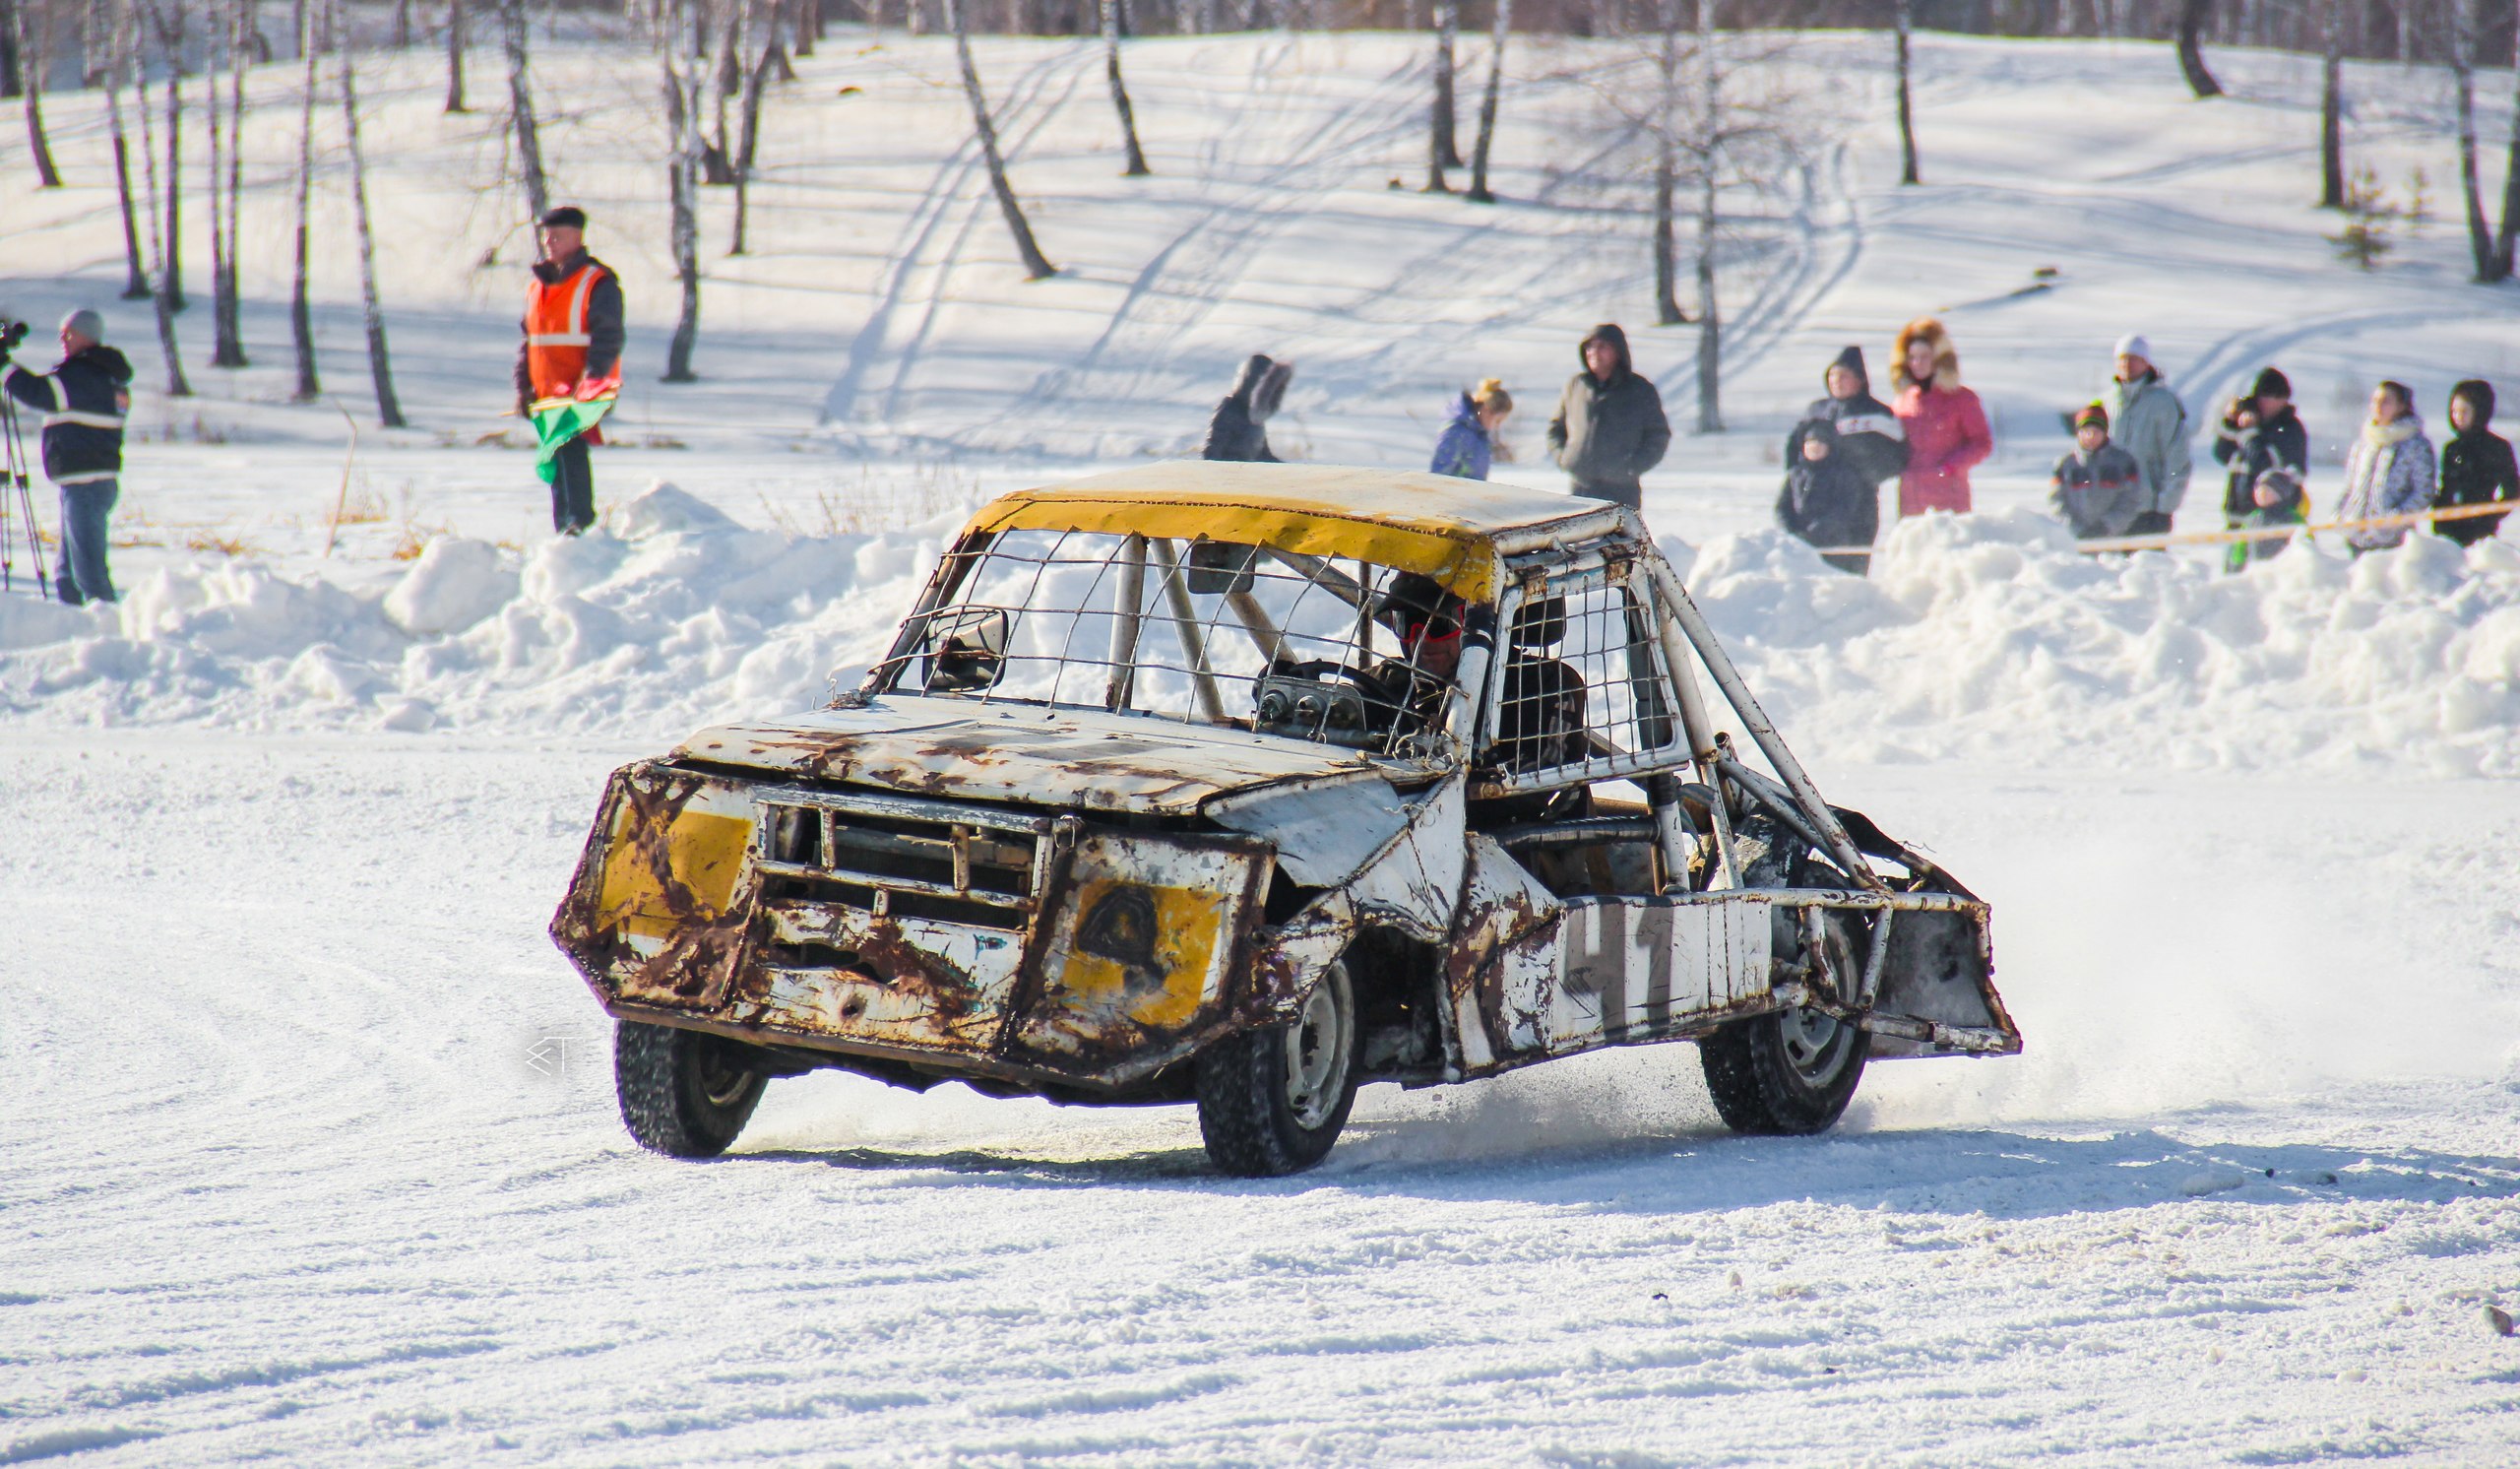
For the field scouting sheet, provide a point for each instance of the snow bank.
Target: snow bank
(1983, 638)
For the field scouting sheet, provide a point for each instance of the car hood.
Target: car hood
(1075, 758)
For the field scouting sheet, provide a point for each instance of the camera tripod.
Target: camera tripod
(15, 477)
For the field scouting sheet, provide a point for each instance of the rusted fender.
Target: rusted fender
(658, 910)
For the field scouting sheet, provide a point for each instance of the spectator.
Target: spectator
(83, 399)
(2096, 487)
(1945, 425)
(2280, 497)
(1870, 442)
(1827, 500)
(1469, 443)
(570, 353)
(1239, 427)
(2388, 471)
(2259, 432)
(2475, 465)
(2151, 425)
(1610, 427)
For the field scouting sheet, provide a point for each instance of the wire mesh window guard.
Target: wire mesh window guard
(1580, 691)
(1215, 632)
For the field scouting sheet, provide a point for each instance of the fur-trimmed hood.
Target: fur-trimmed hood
(1946, 358)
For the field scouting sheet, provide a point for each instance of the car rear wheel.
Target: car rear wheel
(1272, 1101)
(684, 1092)
(1791, 1072)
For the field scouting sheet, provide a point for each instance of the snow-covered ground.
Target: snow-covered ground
(313, 1151)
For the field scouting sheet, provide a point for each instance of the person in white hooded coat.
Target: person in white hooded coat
(2388, 471)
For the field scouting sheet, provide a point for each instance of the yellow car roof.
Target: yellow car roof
(1442, 527)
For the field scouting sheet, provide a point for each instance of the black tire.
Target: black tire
(1272, 1101)
(1787, 1075)
(684, 1092)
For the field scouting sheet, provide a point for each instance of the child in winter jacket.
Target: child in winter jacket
(1469, 443)
(1828, 499)
(2278, 498)
(2476, 466)
(2097, 488)
(2388, 471)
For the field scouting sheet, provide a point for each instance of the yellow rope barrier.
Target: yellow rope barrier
(2254, 533)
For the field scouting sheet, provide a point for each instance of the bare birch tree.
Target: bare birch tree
(104, 37)
(1907, 25)
(246, 35)
(380, 361)
(11, 82)
(678, 62)
(455, 57)
(1110, 18)
(748, 149)
(161, 293)
(223, 52)
(1483, 148)
(1035, 263)
(301, 313)
(168, 20)
(1444, 148)
(2332, 109)
(2465, 22)
(2508, 234)
(30, 57)
(528, 134)
(2191, 50)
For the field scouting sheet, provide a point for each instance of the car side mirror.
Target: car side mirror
(964, 650)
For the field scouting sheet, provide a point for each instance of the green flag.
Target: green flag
(556, 421)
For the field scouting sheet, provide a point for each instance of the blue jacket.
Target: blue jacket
(83, 402)
(1464, 451)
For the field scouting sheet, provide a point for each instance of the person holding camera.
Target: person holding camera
(2259, 432)
(82, 400)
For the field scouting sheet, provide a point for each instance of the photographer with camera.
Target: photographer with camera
(82, 400)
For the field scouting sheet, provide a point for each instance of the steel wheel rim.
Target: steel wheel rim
(1317, 1056)
(1814, 1045)
(722, 1080)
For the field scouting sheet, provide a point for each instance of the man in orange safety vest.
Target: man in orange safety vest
(572, 350)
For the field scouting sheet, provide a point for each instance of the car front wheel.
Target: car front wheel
(684, 1092)
(1791, 1072)
(1272, 1101)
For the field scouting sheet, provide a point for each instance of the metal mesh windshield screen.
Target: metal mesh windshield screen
(1344, 652)
(1580, 691)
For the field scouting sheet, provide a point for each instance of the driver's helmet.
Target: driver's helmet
(1417, 607)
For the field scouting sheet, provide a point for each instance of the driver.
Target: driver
(1414, 684)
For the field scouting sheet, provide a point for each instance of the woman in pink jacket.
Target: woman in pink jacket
(1946, 429)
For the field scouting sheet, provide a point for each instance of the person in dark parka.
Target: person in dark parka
(1610, 427)
(2477, 467)
(83, 399)
(1827, 499)
(1870, 442)
(1239, 428)
(2258, 432)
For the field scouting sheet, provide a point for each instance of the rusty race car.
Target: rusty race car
(1244, 785)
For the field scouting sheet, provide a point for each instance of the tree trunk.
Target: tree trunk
(2191, 57)
(678, 57)
(135, 286)
(809, 23)
(717, 155)
(455, 57)
(2332, 110)
(301, 315)
(1110, 18)
(1446, 145)
(1907, 16)
(1479, 151)
(28, 59)
(222, 348)
(2463, 48)
(10, 72)
(158, 223)
(401, 24)
(230, 321)
(380, 364)
(1035, 264)
(756, 84)
(171, 273)
(1667, 250)
(2505, 238)
(1710, 329)
(529, 135)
